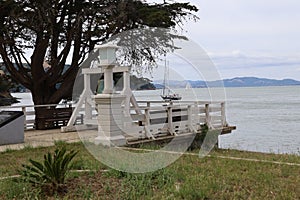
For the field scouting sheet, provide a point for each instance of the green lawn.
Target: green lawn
(190, 177)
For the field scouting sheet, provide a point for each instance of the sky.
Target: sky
(243, 38)
(249, 37)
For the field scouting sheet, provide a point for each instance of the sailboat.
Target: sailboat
(166, 92)
(188, 86)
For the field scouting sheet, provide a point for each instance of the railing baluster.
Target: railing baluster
(147, 124)
(207, 116)
(25, 116)
(223, 115)
(190, 120)
(170, 120)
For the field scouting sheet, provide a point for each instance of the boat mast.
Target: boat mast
(168, 78)
(165, 77)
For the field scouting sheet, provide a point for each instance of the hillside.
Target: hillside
(234, 82)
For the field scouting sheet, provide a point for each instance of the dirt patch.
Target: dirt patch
(94, 185)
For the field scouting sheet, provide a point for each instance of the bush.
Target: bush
(199, 138)
(50, 174)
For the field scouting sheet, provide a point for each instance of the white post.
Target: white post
(190, 119)
(170, 120)
(207, 116)
(110, 120)
(127, 92)
(147, 117)
(147, 124)
(108, 79)
(87, 107)
(24, 112)
(111, 114)
(223, 115)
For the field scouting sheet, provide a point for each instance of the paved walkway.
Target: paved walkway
(38, 138)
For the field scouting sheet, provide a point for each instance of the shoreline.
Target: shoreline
(48, 138)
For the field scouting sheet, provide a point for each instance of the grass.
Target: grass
(188, 178)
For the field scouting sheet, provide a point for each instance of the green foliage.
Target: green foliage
(136, 83)
(5, 83)
(60, 143)
(140, 186)
(18, 189)
(52, 173)
(52, 29)
(187, 178)
(199, 138)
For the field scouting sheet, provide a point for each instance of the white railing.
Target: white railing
(157, 116)
(160, 117)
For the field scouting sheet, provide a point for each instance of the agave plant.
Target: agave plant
(51, 172)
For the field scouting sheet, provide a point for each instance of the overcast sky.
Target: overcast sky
(249, 37)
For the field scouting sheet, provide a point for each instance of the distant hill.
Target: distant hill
(258, 82)
(234, 82)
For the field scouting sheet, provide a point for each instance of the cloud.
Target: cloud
(250, 26)
(237, 63)
(241, 60)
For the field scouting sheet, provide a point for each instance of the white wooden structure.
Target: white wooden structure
(110, 126)
(122, 119)
(204, 112)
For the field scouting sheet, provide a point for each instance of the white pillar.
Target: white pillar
(127, 92)
(207, 116)
(108, 79)
(88, 107)
(223, 115)
(110, 120)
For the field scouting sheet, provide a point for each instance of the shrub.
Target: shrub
(199, 138)
(52, 172)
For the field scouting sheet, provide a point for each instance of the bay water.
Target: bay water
(267, 118)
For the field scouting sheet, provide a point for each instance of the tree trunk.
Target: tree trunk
(45, 94)
(41, 96)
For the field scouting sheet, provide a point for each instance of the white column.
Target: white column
(127, 92)
(223, 115)
(207, 116)
(110, 120)
(108, 79)
(88, 107)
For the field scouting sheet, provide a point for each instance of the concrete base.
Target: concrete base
(110, 120)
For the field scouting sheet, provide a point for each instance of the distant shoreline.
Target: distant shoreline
(234, 82)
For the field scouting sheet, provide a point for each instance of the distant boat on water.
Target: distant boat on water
(171, 97)
(167, 94)
(188, 86)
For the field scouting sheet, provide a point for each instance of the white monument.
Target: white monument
(113, 108)
(109, 104)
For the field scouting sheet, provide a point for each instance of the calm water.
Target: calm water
(267, 118)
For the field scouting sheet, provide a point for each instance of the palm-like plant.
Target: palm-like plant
(51, 172)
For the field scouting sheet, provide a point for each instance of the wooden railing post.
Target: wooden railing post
(190, 119)
(147, 116)
(88, 106)
(147, 124)
(223, 115)
(189, 116)
(24, 112)
(170, 120)
(207, 116)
